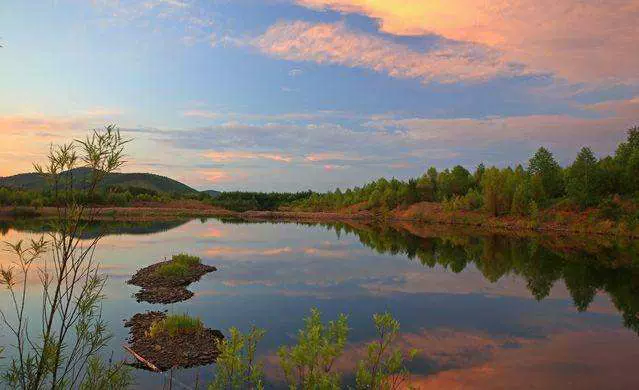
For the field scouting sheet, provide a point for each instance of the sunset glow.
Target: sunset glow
(317, 94)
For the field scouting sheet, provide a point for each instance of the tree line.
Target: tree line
(587, 182)
(111, 196)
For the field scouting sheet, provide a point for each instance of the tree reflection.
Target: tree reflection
(586, 267)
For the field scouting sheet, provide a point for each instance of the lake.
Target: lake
(484, 310)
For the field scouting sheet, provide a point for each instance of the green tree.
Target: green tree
(627, 157)
(544, 165)
(479, 173)
(582, 178)
(521, 200)
(492, 186)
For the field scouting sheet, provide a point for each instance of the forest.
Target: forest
(587, 182)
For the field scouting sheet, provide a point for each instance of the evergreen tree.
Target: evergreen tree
(582, 178)
(492, 185)
(544, 165)
(521, 199)
(627, 158)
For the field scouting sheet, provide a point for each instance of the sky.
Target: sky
(286, 95)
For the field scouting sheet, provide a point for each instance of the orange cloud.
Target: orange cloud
(213, 233)
(327, 156)
(332, 167)
(18, 124)
(29, 137)
(335, 44)
(578, 40)
(228, 156)
(216, 176)
(624, 107)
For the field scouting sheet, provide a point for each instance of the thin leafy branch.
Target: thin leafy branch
(63, 351)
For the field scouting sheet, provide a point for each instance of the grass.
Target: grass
(176, 324)
(173, 270)
(179, 266)
(186, 259)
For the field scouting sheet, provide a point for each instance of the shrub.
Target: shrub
(37, 203)
(384, 366)
(186, 259)
(471, 201)
(176, 324)
(309, 363)
(610, 209)
(236, 366)
(103, 376)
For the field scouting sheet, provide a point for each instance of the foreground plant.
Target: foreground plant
(60, 352)
(384, 368)
(106, 376)
(236, 365)
(309, 364)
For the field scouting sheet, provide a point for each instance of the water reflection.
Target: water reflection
(93, 229)
(612, 267)
(482, 308)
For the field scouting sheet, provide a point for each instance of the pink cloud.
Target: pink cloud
(332, 167)
(328, 156)
(578, 40)
(628, 108)
(228, 156)
(216, 176)
(335, 44)
(558, 130)
(29, 137)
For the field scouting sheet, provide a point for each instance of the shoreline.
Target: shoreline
(552, 222)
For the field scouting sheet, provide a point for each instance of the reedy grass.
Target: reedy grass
(178, 266)
(173, 270)
(186, 259)
(176, 324)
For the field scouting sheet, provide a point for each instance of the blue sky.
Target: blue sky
(298, 94)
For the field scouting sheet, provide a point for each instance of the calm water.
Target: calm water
(485, 311)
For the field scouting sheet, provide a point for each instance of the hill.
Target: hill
(212, 193)
(148, 181)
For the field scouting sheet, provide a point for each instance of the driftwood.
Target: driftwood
(141, 359)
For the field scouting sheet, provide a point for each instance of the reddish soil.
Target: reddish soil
(550, 220)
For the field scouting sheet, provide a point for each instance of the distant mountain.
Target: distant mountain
(149, 181)
(213, 193)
